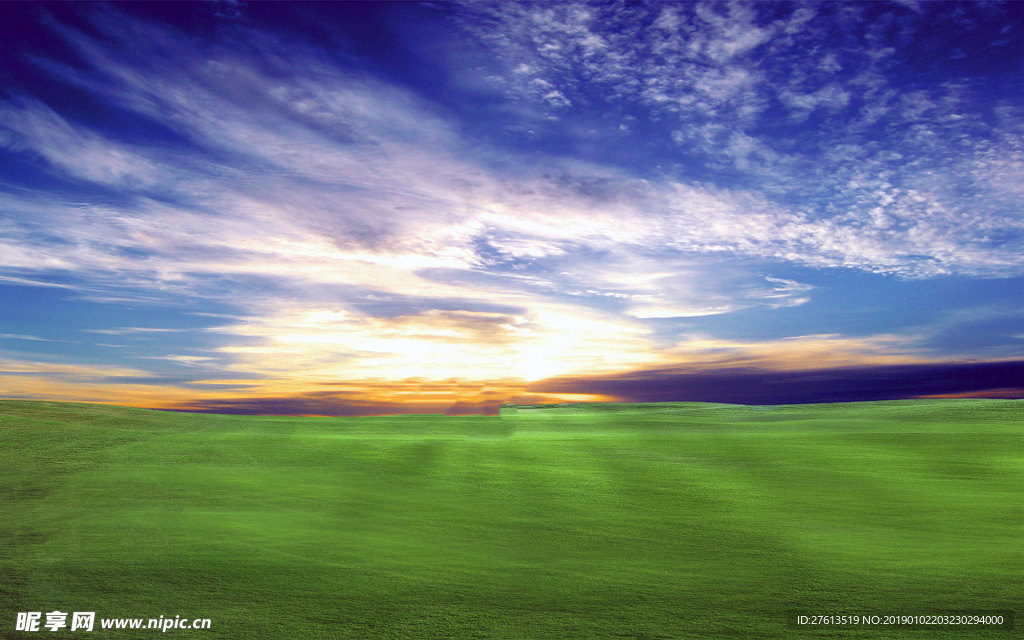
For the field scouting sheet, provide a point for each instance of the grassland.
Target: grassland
(592, 522)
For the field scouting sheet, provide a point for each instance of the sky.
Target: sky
(372, 208)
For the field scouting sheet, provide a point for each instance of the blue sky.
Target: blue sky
(351, 208)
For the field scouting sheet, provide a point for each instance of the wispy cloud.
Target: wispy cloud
(120, 331)
(32, 282)
(34, 127)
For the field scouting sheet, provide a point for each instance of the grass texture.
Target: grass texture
(580, 521)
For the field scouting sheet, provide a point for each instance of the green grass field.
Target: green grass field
(590, 521)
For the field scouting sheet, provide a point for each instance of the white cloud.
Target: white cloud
(548, 339)
(127, 330)
(18, 336)
(81, 153)
(188, 361)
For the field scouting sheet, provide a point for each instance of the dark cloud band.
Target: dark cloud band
(758, 386)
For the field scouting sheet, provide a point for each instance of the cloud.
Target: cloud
(79, 383)
(188, 361)
(696, 352)
(546, 339)
(18, 336)
(11, 366)
(29, 282)
(744, 385)
(120, 331)
(33, 126)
